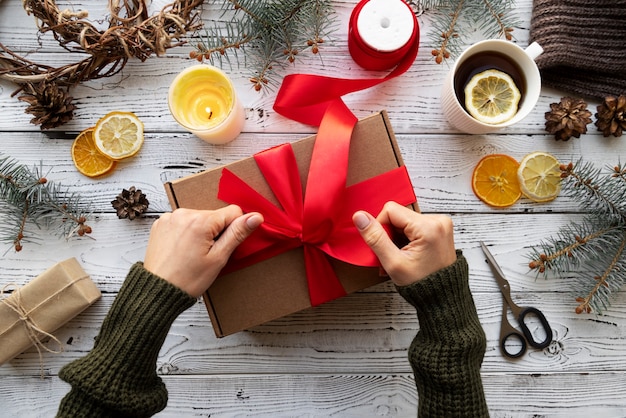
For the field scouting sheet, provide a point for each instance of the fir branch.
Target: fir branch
(216, 44)
(455, 20)
(561, 253)
(271, 35)
(251, 9)
(619, 172)
(598, 192)
(600, 293)
(27, 196)
(592, 252)
(446, 29)
(496, 26)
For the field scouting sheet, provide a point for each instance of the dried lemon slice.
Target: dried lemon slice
(87, 159)
(539, 176)
(492, 97)
(119, 135)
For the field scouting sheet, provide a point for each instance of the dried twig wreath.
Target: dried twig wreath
(131, 33)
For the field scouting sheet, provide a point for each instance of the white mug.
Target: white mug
(524, 60)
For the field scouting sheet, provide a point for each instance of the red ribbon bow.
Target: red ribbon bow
(301, 221)
(319, 220)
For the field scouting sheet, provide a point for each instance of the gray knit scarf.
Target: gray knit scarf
(584, 44)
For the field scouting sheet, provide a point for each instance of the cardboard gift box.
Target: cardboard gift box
(277, 286)
(43, 305)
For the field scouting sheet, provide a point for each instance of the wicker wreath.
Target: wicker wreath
(131, 33)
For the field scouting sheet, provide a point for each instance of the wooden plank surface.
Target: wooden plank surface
(346, 358)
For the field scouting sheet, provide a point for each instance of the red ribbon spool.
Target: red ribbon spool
(369, 57)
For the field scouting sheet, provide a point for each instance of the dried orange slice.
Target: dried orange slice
(87, 159)
(539, 176)
(494, 180)
(119, 135)
(492, 97)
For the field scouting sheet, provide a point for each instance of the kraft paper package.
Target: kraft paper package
(31, 313)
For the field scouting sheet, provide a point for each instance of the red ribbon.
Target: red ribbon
(319, 220)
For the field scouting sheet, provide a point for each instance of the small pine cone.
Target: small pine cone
(568, 118)
(130, 203)
(611, 116)
(50, 105)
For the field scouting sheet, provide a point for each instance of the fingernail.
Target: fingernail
(361, 220)
(254, 221)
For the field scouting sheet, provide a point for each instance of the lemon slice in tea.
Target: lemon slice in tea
(492, 97)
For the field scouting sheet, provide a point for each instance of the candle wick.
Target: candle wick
(210, 112)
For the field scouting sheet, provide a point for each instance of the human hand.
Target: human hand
(189, 248)
(430, 247)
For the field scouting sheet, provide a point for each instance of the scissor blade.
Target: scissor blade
(492, 261)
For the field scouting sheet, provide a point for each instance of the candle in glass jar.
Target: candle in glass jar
(203, 100)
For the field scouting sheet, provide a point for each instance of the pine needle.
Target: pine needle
(28, 199)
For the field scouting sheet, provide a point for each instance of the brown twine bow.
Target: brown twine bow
(36, 335)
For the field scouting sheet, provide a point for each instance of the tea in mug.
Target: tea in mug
(485, 62)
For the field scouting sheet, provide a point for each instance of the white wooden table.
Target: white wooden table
(346, 358)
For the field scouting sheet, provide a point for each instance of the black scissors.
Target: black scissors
(506, 329)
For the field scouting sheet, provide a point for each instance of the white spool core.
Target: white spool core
(385, 25)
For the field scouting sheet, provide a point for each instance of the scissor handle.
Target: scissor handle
(504, 337)
(544, 324)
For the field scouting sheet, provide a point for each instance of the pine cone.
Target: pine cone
(50, 105)
(568, 118)
(130, 203)
(611, 116)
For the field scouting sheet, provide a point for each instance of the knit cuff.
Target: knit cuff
(120, 371)
(443, 299)
(448, 350)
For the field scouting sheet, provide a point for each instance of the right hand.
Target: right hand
(430, 247)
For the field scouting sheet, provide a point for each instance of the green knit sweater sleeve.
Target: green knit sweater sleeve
(118, 377)
(448, 350)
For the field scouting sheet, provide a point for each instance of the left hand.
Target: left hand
(189, 248)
